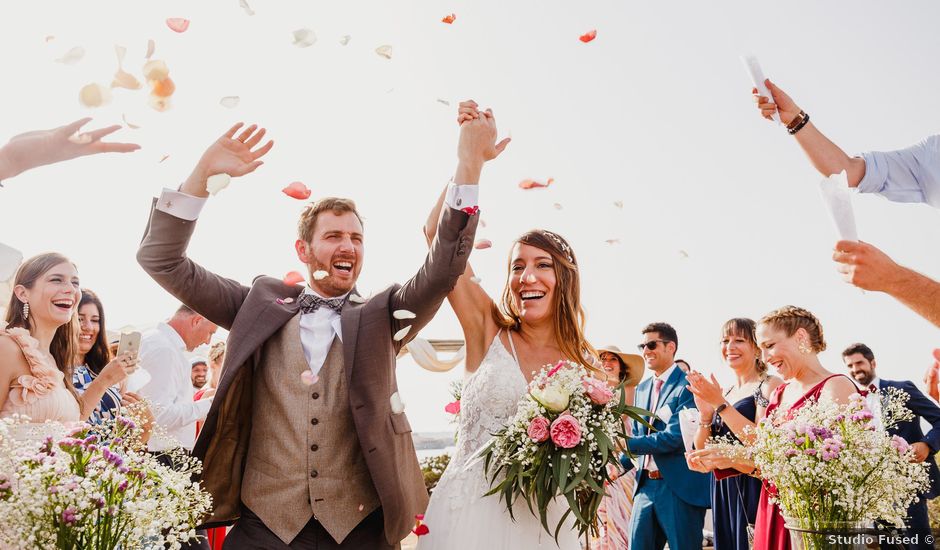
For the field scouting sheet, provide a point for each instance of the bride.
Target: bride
(538, 320)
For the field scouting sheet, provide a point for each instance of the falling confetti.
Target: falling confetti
(304, 38)
(482, 223)
(588, 36)
(94, 95)
(72, 56)
(319, 275)
(449, 19)
(400, 335)
(683, 254)
(293, 278)
(357, 299)
(229, 101)
(128, 124)
(308, 378)
(482, 244)
(50, 38)
(443, 101)
(159, 104)
(384, 51)
(403, 314)
(156, 69)
(122, 78)
(533, 184)
(398, 406)
(177, 24)
(557, 206)
(162, 88)
(297, 190)
(163, 158)
(618, 204)
(345, 39)
(612, 241)
(244, 5)
(217, 183)
(151, 47)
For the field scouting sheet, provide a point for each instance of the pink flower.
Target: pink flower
(565, 431)
(452, 408)
(597, 390)
(555, 369)
(538, 429)
(900, 444)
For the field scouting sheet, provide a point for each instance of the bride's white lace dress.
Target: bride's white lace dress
(459, 516)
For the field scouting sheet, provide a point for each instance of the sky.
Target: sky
(720, 217)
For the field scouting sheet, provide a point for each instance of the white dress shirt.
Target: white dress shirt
(170, 389)
(316, 332)
(654, 404)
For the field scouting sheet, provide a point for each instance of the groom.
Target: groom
(306, 445)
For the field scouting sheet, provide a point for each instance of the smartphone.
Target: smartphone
(130, 341)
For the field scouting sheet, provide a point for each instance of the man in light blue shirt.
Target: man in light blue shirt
(905, 175)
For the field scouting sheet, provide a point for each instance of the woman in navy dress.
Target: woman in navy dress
(735, 496)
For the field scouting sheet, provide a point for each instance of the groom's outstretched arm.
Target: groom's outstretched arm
(451, 245)
(162, 251)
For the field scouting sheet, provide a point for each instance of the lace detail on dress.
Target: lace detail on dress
(489, 400)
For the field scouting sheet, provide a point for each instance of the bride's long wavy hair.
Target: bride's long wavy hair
(569, 317)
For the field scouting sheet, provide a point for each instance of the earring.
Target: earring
(804, 349)
(25, 310)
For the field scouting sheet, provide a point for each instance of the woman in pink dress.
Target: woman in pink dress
(39, 344)
(790, 339)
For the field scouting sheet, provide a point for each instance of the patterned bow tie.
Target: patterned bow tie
(310, 303)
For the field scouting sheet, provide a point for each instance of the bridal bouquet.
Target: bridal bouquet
(834, 466)
(95, 488)
(559, 443)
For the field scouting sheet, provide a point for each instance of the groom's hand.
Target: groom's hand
(921, 452)
(235, 156)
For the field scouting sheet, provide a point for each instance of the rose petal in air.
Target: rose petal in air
(293, 278)
(308, 378)
(612, 241)
(124, 79)
(128, 124)
(345, 39)
(162, 88)
(421, 530)
(177, 24)
(534, 184)
(50, 38)
(217, 183)
(156, 69)
(384, 51)
(482, 244)
(361, 507)
(683, 254)
(159, 104)
(618, 204)
(588, 36)
(403, 314)
(449, 19)
(94, 95)
(229, 101)
(304, 38)
(151, 47)
(557, 206)
(400, 335)
(72, 56)
(319, 275)
(244, 5)
(297, 190)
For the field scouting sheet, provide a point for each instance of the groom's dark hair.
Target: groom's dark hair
(308, 219)
(665, 331)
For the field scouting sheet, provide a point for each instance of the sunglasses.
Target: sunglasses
(651, 345)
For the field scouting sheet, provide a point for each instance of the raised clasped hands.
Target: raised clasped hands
(41, 147)
(230, 154)
(477, 134)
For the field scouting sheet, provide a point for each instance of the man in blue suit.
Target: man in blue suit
(861, 364)
(670, 500)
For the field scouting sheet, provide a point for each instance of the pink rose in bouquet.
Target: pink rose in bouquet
(538, 429)
(597, 390)
(566, 431)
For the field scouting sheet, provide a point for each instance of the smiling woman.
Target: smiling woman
(39, 344)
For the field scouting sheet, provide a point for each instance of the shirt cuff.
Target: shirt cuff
(873, 180)
(203, 406)
(180, 205)
(463, 197)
